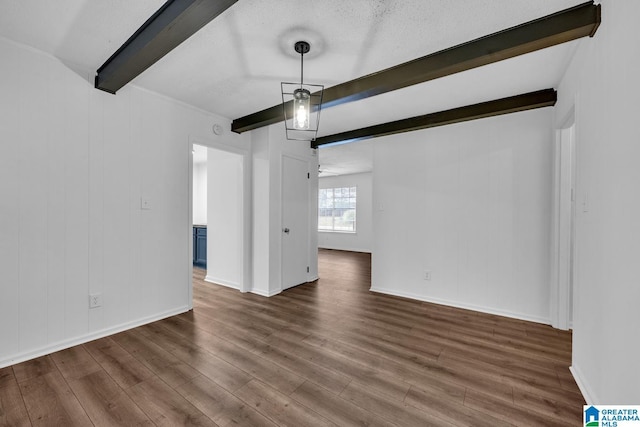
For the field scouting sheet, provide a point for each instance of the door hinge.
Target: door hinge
(307, 269)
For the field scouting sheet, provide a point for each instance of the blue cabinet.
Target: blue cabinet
(200, 246)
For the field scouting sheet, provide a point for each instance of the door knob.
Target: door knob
(286, 230)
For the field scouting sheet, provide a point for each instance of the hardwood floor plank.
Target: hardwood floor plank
(431, 375)
(235, 317)
(105, 402)
(206, 321)
(513, 414)
(12, 408)
(545, 405)
(567, 382)
(327, 378)
(33, 368)
(7, 376)
(452, 410)
(522, 376)
(335, 408)
(219, 405)
(218, 370)
(75, 363)
(164, 364)
(419, 355)
(279, 408)
(488, 349)
(119, 364)
(407, 372)
(379, 380)
(268, 372)
(50, 401)
(396, 412)
(165, 406)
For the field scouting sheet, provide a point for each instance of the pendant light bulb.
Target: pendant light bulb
(301, 109)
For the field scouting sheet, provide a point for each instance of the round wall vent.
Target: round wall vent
(218, 129)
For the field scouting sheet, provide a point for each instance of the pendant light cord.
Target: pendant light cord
(301, 69)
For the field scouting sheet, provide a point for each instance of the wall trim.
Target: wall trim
(72, 342)
(348, 249)
(583, 385)
(481, 309)
(221, 282)
(263, 293)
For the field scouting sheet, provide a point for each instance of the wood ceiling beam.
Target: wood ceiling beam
(173, 23)
(570, 24)
(512, 104)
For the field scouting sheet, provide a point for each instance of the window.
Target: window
(337, 209)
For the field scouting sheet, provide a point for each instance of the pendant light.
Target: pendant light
(301, 103)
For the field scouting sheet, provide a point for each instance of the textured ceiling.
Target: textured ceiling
(234, 65)
(80, 32)
(355, 157)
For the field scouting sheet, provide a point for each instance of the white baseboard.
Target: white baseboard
(456, 304)
(267, 294)
(264, 293)
(333, 248)
(221, 282)
(583, 385)
(72, 342)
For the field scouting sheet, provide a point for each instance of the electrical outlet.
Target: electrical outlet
(95, 300)
(426, 275)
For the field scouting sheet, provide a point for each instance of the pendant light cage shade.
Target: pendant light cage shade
(301, 105)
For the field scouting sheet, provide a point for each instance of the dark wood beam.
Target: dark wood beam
(551, 30)
(173, 23)
(512, 104)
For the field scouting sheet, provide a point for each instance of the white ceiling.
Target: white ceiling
(234, 65)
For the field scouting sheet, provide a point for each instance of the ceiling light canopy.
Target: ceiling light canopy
(301, 103)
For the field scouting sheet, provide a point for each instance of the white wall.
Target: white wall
(470, 203)
(362, 239)
(225, 218)
(269, 145)
(261, 207)
(602, 84)
(74, 165)
(200, 193)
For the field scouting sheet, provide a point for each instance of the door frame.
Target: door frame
(563, 278)
(246, 282)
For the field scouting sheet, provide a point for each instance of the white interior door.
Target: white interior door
(295, 222)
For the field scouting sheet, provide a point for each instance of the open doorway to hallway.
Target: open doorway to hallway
(218, 216)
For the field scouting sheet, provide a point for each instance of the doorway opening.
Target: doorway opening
(220, 217)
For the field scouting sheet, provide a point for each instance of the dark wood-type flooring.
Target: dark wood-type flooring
(321, 354)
